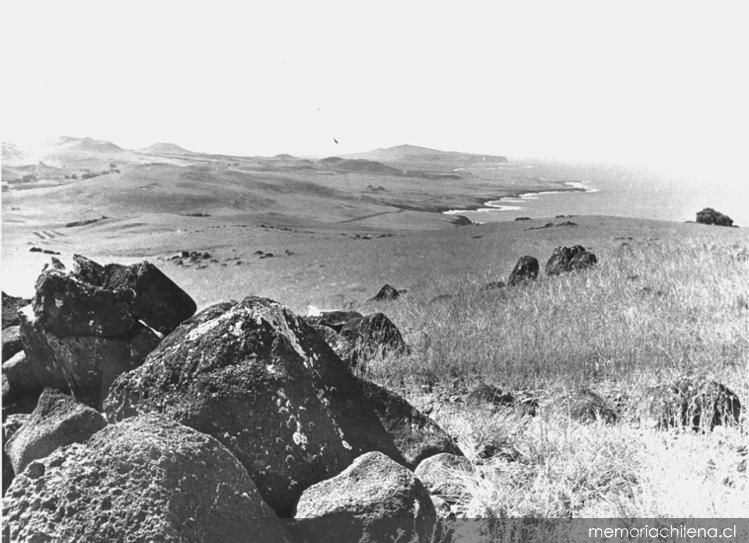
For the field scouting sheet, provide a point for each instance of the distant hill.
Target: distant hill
(416, 154)
(358, 165)
(165, 149)
(67, 144)
(14, 155)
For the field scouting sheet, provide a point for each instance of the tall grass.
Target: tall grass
(653, 310)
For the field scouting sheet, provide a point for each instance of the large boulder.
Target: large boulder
(11, 305)
(58, 420)
(145, 479)
(374, 499)
(246, 373)
(11, 341)
(415, 435)
(525, 271)
(365, 338)
(710, 216)
(566, 259)
(157, 302)
(11, 424)
(83, 365)
(20, 387)
(696, 403)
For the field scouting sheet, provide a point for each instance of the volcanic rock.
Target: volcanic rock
(369, 337)
(386, 293)
(11, 341)
(374, 499)
(710, 216)
(587, 406)
(525, 270)
(565, 259)
(11, 305)
(145, 479)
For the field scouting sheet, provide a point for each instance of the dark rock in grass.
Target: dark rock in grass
(68, 306)
(710, 216)
(438, 475)
(587, 406)
(11, 305)
(11, 341)
(257, 378)
(525, 270)
(566, 259)
(386, 293)
(485, 395)
(462, 220)
(374, 499)
(145, 479)
(699, 404)
(414, 434)
(158, 301)
(58, 420)
(84, 366)
(334, 319)
(522, 218)
(494, 285)
(368, 337)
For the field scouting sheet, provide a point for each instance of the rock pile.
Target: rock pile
(710, 216)
(85, 327)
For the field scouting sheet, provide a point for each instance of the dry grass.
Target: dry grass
(648, 314)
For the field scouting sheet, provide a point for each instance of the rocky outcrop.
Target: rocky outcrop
(696, 403)
(525, 271)
(11, 305)
(374, 499)
(265, 384)
(415, 435)
(145, 479)
(386, 294)
(710, 216)
(86, 327)
(587, 406)
(566, 259)
(58, 420)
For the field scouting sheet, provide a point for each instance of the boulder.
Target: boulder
(85, 366)
(11, 424)
(253, 375)
(158, 301)
(565, 259)
(20, 388)
(386, 294)
(710, 216)
(58, 420)
(374, 499)
(438, 475)
(145, 479)
(587, 406)
(696, 403)
(11, 305)
(11, 341)
(415, 435)
(368, 337)
(525, 271)
(334, 319)
(65, 305)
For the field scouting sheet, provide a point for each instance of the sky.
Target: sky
(656, 83)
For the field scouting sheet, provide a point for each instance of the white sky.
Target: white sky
(659, 83)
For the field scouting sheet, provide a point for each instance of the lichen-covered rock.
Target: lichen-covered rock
(525, 271)
(696, 403)
(157, 300)
(11, 341)
(374, 499)
(65, 305)
(414, 435)
(85, 366)
(256, 377)
(368, 337)
(11, 305)
(145, 479)
(440, 474)
(566, 259)
(587, 406)
(58, 420)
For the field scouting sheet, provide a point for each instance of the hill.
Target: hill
(415, 154)
(165, 148)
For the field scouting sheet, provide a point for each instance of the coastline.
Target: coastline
(521, 197)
